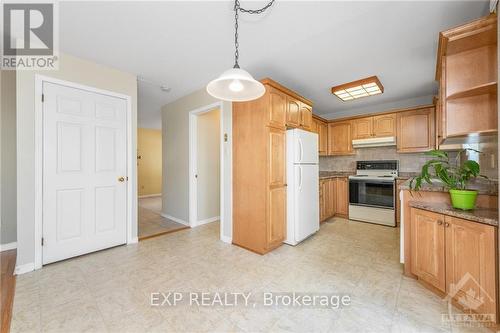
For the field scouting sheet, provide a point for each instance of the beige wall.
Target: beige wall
(150, 164)
(8, 157)
(208, 165)
(175, 125)
(74, 70)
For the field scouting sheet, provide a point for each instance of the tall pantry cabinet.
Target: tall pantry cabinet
(259, 168)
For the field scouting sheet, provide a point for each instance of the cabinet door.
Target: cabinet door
(292, 112)
(322, 200)
(342, 196)
(339, 138)
(323, 138)
(362, 128)
(415, 130)
(277, 108)
(277, 157)
(276, 224)
(384, 125)
(333, 196)
(427, 247)
(315, 126)
(471, 264)
(305, 116)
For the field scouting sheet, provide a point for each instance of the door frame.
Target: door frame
(193, 185)
(131, 204)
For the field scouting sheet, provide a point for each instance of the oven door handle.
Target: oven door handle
(371, 181)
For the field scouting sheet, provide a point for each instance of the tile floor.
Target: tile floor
(151, 222)
(110, 291)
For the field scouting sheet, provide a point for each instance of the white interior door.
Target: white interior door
(84, 160)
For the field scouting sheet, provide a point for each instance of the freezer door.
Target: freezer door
(306, 147)
(306, 201)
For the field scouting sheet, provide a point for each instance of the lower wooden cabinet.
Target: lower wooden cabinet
(457, 257)
(342, 196)
(333, 198)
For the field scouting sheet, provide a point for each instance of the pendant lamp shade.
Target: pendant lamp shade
(236, 85)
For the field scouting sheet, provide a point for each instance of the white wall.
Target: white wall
(74, 70)
(175, 193)
(8, 157)
(208, 165)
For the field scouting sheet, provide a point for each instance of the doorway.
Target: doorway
(149, 170)
(205, 166)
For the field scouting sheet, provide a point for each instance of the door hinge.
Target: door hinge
(43, 98)
(42, 241)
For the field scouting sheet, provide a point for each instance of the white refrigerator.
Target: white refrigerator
(303, 185)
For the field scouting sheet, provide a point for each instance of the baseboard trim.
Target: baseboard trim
(175, 219)
(8, 246)
(149, 196)
(205, 221)
(226, 239)
(26, 268)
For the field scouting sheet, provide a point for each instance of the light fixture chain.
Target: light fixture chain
(237, 8)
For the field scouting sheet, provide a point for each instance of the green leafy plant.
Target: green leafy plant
(455, 176)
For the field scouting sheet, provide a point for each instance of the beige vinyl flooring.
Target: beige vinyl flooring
(151, 223)
(110, 291)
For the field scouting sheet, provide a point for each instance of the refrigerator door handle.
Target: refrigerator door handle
(301, 150)
(300, 178)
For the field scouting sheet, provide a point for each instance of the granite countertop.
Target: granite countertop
(481, 215)
(489, 187)
(335, 174)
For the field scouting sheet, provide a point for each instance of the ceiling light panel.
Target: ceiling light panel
(357, 89)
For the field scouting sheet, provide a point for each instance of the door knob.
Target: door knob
(121, 179)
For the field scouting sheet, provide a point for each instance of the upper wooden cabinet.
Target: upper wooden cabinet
(384, 125)
(415, 130)
(305, 116)
(375, 126)
(277, 108)
(321, 128)
(293, 115)
(340, 138)
(362, 128)
(467, 74)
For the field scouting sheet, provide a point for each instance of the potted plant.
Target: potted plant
(455, 177)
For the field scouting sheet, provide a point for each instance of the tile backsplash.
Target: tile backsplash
(410, 162)
(407, 162)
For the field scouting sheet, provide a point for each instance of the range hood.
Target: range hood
(374, 142)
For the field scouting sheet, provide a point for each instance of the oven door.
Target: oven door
(372, 192)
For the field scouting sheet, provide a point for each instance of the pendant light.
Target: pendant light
(236, 84)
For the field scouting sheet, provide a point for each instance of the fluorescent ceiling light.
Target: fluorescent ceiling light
(361, 88)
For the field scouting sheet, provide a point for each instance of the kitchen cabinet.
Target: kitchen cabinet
(457, 257)
(384, 125)
(293, 116)
(320, 127)
(342, 197)
(327, 198)
(375, 126)
(467, 72)
(415, 130)
(305, 116)
(362, 128)
(471, 262)
(340, 138)
(427, 247)
(259, 166)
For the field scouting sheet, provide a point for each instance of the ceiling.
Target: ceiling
(307, 46)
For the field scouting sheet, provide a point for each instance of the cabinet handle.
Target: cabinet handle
(446, 224)
(440, 222)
